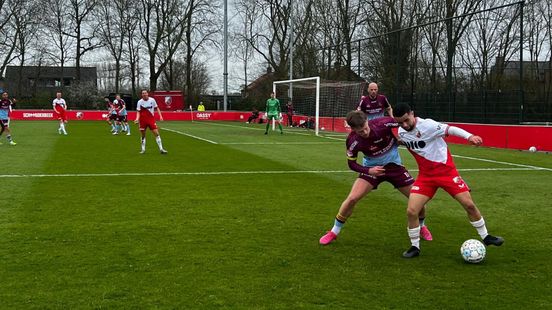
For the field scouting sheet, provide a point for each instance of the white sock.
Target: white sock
(62, 126)
(143, 144)
(158, 140)
(336, 229)
(414, 234)
(481, 228)
(127, 128)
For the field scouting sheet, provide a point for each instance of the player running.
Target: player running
(374, 105)
(5, 111)
(145, 117)
(122, 112)
(273, 111)
(424, 139)
(376, 140)
(60, 106)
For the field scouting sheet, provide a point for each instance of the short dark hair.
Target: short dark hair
(401, 109)
(356, 119)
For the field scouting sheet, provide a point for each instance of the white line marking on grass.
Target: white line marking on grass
(288, 130)
(199, 173)
(280, 143)
(502, 162)
(189, 135)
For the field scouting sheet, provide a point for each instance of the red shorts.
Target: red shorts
(427, 186)
(61, 114)
(147, 122)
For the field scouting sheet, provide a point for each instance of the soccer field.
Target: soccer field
(231, 218)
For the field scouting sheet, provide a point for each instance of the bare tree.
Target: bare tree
(200, 33)
(26, 23)
(162, 27)
(248, 14)
(8, 33)
(113, 32)
(83, 29)
(57, 44)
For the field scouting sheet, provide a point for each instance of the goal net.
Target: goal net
(318, 104)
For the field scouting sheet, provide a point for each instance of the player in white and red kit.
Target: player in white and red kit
(145, 118)
(60, 107)
(376, 140)
(424, 139)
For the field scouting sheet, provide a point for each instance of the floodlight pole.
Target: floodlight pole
(225, 74)
(290, 94)
(521, 94)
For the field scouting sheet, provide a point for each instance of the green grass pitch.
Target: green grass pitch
(231, 218)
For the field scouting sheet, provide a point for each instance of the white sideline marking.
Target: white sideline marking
(292, 131)
(65, 175)
(282, 143)
(189, 135)
(502, 162)
(341, 139)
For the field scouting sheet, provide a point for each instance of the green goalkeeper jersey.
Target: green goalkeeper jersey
(273, 106)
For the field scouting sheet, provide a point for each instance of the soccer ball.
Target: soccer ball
(532, 149)
(473, 251)
(80, 115)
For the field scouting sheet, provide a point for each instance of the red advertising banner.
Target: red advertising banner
(502, 136)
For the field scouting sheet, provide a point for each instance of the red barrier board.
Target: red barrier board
(519, 137)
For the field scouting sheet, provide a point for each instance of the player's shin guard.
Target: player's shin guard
(338, 223)
(158, 140)
(480, 227)
(414, 235)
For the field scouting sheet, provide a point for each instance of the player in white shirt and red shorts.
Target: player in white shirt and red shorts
(145, 118)
(60, 107)
(424, 139)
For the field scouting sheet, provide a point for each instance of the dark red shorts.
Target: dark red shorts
(394, 174)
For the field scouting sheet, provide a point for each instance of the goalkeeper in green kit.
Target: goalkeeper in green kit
(273, 111)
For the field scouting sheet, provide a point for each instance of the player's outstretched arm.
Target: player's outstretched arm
(160, 115)
(475, 140)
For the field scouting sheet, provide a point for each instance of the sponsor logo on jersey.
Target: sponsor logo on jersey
(420, 144)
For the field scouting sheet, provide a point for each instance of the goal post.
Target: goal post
(314, 86)
(320, 105)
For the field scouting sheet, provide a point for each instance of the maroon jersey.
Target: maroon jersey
(5, 105)
(373, 107)
(381, 146)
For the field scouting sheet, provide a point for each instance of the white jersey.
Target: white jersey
(429, 148)
(146, 105)
(60, 102)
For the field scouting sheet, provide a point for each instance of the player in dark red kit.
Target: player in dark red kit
(374, 105)
(5, 111)
(375, 139)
